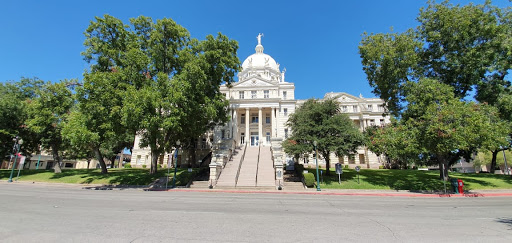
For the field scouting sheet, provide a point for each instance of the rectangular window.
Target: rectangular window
(242, 117)
(361, 159)
(382, 122)
(267, 119)
(223, 134)
(285, 111)
(284, 95)
(381, 108)
(268, 137)
(370, 107)
(254, 119)
(286, 133)
(344, 108)
(253, 94)
(372, 122)
(354, 108)
(241, 95)
(266, 94)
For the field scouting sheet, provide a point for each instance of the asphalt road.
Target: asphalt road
(42, 213)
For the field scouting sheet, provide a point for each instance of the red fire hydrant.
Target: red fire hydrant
(460, 183)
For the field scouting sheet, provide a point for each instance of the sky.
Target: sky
(316, 41)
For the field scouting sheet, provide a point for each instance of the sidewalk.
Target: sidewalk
(309, 191)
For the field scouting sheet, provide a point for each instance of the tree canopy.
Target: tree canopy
(166, 83)
(322, 121)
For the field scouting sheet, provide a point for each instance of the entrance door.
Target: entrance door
(242, 138)
(254, 139)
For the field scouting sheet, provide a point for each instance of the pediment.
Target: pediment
(343, 97)
(254, 82)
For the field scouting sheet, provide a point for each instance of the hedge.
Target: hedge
(127, 165)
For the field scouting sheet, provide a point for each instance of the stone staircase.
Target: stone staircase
(265, 175)
(227, 178)
(256, 170)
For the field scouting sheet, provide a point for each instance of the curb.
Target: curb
(419, 195)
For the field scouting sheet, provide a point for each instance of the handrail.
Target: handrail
(258, 164)
(240, 165)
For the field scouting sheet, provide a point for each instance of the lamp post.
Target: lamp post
(16, 148)
(316, 161)
(175, 164)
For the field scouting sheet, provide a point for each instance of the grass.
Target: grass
(113, 177)
(413, 180)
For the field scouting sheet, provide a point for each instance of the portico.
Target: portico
(257, 125)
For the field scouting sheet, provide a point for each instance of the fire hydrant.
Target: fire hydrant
(460, 184)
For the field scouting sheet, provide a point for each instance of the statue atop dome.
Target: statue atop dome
(259, 38)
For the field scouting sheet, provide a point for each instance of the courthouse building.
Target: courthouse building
(260, 104)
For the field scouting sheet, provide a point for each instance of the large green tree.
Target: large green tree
(323, 122)
(444, 126)
(465, 47)
(169, 82)
(47, 113)
(13, 114)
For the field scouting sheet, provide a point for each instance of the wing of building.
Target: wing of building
(260, 103)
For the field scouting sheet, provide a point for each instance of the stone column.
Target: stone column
(247, 135)
(260, 126)
(272, 122)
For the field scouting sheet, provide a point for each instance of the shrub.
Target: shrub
(127, 165)
(144, 166)
(381, 167)
(159, 166)
(346, 167)
(309, 179)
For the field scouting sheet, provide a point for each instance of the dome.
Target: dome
(260, 60)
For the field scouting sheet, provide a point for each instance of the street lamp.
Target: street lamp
(175, 164)
(16, 149)
(316, 161)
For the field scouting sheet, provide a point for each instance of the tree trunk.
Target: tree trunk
(99, 157)
(443, 168)
(56, 159)
(154, 161)
(493, 161)
(113, 161)
(88, 163)
(327, 165)
(192, 151)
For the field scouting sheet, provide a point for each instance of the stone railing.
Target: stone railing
(277, 158)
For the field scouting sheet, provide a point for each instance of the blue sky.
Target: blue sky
(316, 41)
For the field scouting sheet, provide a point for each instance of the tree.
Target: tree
(465, 47)
(47, 114)
(445, 126)
(13, 115)
(169, 83)
(323, 122)
(398, 142)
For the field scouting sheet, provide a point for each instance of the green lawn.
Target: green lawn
(114, 176)
(410, 180)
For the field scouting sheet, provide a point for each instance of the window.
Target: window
(68, 165)
(223, 134)
(242, 117)
(139, 160)
(254, 119)
(372, 122)
(268, 137)
(286, 133)
(381, 108)
(351, 159)
(361, 159)
(382, 122)
(284, 95)
(370, 107)
(241, 95)
(267, 119)
(242, 138)
(285, 111)
(266, 94)
(344, 108)
(253, 94)
(354, 108)
(203, 144)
